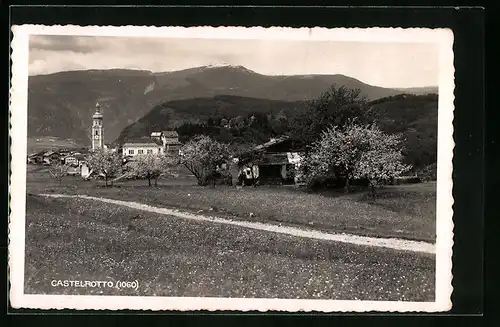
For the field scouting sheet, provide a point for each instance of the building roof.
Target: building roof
(144, 144)
(97, 115)
(170, 134)
(172, 142)
(143, 140)
(271, 143)
(156, 134)
(79, 156)
(157, 142)
(265, 157)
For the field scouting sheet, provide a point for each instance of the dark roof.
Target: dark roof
(157, 141)
(150, 144)
(143, 140)
(145, 143)
(172, 142)
(170, 134)
(79, 156)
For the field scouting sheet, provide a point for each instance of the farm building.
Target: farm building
(46, 157)
(274, 162)
(36, 158)
(169, 140)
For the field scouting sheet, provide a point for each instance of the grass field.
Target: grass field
(404, 211)
(80, 239)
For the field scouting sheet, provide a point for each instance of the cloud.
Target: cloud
(79, 44)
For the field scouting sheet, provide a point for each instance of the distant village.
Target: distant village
(278, 158)
(161, 142)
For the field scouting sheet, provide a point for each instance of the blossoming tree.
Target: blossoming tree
(202, 156)
(107, 163)
(356, 151)
(152, 167)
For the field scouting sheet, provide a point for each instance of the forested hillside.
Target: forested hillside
(226, 118)
(243, 122)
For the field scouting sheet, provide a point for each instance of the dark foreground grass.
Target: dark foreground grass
(76, 239)
(399, 211)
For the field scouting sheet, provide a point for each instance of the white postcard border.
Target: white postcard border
(17, 186)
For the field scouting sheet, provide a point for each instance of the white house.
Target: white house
(70, 160)
(137, 147)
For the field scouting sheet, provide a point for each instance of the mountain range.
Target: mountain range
(61, 104)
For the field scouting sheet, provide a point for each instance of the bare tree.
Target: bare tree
(58, 171)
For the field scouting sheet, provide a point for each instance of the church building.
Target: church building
(97, 129)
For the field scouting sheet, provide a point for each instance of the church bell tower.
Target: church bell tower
(97, 129)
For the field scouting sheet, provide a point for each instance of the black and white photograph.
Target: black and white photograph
(230, 168)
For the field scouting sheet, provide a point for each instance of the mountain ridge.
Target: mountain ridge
(61, 104)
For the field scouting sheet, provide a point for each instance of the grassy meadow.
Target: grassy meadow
(404, 211)
(81, 239)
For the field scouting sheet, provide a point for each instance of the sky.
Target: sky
(397, 65)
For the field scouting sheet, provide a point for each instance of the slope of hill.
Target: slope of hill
(61, 104)
(416, 116)
(413, 115)
(175, 113)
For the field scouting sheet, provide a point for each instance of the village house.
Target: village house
(49, 157)
(169, 140)
(74, 159)
(70, 160)
(142, 146)
(165, 142)
(35, 158)
(274, 162)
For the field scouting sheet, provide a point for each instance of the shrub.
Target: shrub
(428, 173)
